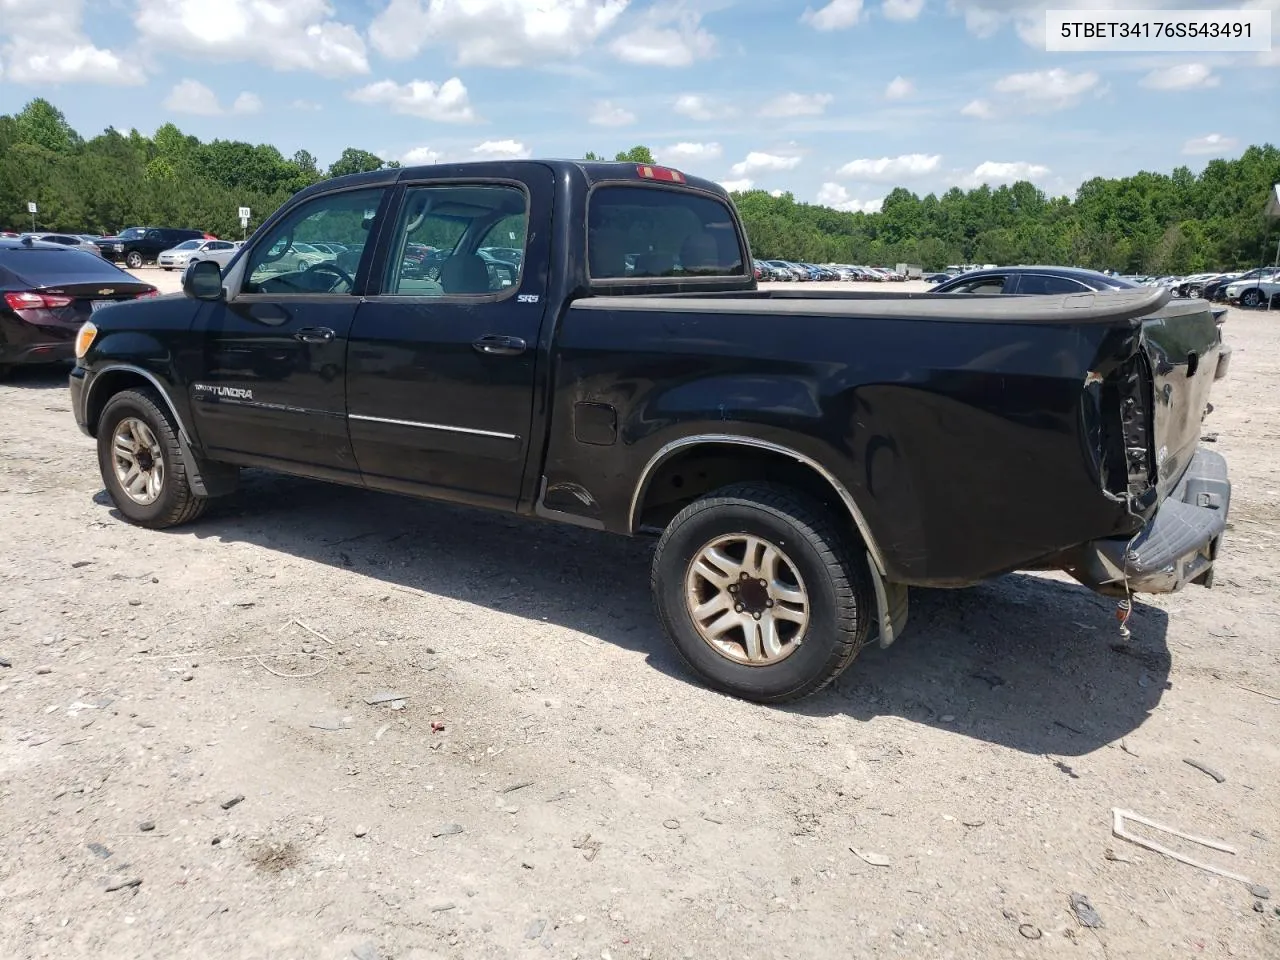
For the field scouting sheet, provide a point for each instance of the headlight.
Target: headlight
(84, 338)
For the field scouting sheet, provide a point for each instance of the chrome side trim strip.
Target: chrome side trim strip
(846, 498)
(434, 426)
(97, 378)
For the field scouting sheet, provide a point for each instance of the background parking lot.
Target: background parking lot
(542, 779)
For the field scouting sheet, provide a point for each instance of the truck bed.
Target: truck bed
(978, 434)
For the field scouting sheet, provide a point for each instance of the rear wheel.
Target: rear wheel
(1251, 298)
(141, 462)
(133, 260)
(761, 592)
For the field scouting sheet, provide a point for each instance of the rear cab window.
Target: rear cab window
(641, 232)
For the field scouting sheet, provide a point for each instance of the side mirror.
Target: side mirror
(203, 280)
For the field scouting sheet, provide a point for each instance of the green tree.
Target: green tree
(636, 155)
(42, 124)
(355, 161)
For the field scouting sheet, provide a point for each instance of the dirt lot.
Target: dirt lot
(554, 785)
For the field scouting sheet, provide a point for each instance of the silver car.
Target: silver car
(177, 258)
(219, 251)
(75, 241)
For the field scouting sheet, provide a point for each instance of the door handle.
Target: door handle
(500, 346)
(314, 335)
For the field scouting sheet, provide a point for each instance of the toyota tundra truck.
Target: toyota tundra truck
(585, 343)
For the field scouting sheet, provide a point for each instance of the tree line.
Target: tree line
(1159, 223)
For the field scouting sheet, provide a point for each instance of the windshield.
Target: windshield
(189, 245)
(133, 233)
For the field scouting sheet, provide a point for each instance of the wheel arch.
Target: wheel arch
(720, 448)
(118, 377)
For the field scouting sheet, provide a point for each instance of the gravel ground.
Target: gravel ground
(548, 782)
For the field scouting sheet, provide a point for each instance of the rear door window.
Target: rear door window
(640, 232)
(458, 240)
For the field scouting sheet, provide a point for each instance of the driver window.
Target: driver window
(458, 240)
(297, 256)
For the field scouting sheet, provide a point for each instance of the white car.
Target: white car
(177, 258)
(219, 251)
(1256, 292)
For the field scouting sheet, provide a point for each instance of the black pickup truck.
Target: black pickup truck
(802, 458)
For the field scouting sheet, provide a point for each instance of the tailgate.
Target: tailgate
(1182, 342)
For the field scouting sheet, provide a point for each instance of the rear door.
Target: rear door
(440, 375)
(272, 373)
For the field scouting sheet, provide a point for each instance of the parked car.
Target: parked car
(784, 271)
(1260, 291)
(47, 290)
(1033, 280)
(178, 257)
(1219, 288)
(219, 251)
(802, 460)
(1215, 288)
(139, 245)
(66, 240)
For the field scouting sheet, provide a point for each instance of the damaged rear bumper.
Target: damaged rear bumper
(1175, 547)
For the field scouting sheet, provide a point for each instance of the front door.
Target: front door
(440, 376)
(273, 370)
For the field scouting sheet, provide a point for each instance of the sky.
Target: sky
(835, 102)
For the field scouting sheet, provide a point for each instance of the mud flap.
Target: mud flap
(891, 606)
(206, 477)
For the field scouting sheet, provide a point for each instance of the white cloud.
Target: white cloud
(444, 102)
(902, 9)
(668, 37)
(281, 34)
(899, 88)
(501, 150)
(978, 108)
(796, 105)
(1183, 76)
(607, 114)
(906, 167)
(421, 157)
(1213, 143)
(310, 106)
(686, 154)
(191, 96)
(247, 103)
(758, 162)
(997, 172)
(1053, 89)
(837, 197)
(776, 193)
(44, 43)
(836, 15)
(493, 33)
(697, 107)
(738, 186)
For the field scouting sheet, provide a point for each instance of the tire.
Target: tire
(133, 260)
(811, 545)
(174, 502)
(1251, 298)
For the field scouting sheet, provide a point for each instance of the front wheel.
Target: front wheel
(141, 462)
(761, 592)
(1251, 298)
(133, 260)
